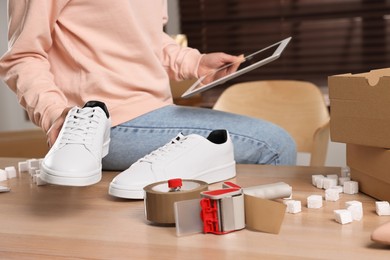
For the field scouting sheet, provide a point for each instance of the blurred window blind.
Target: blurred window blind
(329, 36)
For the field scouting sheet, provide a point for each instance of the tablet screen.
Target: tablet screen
(227, 72)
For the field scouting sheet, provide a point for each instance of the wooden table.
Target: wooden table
(55, 222)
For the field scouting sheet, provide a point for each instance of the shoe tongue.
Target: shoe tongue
(181, 137)
(189, 138)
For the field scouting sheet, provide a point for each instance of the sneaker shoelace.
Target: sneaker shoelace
(80, 126)
(173, 146)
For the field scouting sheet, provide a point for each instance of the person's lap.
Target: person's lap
(255, 141)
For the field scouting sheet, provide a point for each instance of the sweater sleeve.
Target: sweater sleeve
(25, 67)
(180, 62)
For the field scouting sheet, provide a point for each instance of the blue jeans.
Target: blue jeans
(255, 141)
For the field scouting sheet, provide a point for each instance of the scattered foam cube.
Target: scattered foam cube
(332, 194)
(33, 163)
(314, 201)
(39, 181)
(351, 187)
(32, 171)
(332, 176)
(356, 209)
(338, 188)
(329, 183)
(342, 216)
(293, 206)
(320, 183)
(11, 172)
(382, 208)
(40, 160)
(32, 166)
(23, 166)
(36, 178)
(345, 172)
(315, 177)
(4, 189)
(343, 179)
(3, 175)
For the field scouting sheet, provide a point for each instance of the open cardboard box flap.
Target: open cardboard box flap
(360, 108)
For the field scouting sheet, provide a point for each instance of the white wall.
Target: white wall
(173, 25)
(12, 116)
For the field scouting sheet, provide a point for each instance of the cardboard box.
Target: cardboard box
(360, 108)
(370, 167)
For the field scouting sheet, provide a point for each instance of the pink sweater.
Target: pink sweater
(66, 52)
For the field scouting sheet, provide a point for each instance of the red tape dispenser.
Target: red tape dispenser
(222, 211)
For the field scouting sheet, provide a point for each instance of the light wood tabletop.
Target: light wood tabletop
(56, 222)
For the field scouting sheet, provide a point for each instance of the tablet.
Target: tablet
(248, 63)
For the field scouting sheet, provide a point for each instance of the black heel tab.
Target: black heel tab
(218, 136)
(94, 103)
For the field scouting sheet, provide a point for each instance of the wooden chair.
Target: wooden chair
(297, 106)
(23, 144)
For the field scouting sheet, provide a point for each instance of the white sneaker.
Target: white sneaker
(75, 158)
(187, 157)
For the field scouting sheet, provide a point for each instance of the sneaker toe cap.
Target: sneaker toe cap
(71, 161)
(135, 177)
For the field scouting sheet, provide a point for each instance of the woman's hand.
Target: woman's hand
(213, 64)
(55, 128)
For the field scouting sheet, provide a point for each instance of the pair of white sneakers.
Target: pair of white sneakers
(75, 158)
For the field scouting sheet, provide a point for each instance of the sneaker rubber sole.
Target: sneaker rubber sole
(61, 178)
(69, 181)
(217, 174)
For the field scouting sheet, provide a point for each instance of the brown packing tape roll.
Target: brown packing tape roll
(159, 200)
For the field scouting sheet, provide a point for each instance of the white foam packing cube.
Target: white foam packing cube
(34, 179)
(338, 188)
(332, 194)
(4, 189)
(351, 187)
(356, 209)
(315, 177)
(23, 166)
(33, 163)
(329, 183)
(314, 201)
(39, 181)
(3, 175)
(11, 172)
(382, 208)
(332, 176)
(40, 161)
(319, 181)
(293, 206)
(32, 171)
(342, 216)
(343, 179)
(345, 172)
